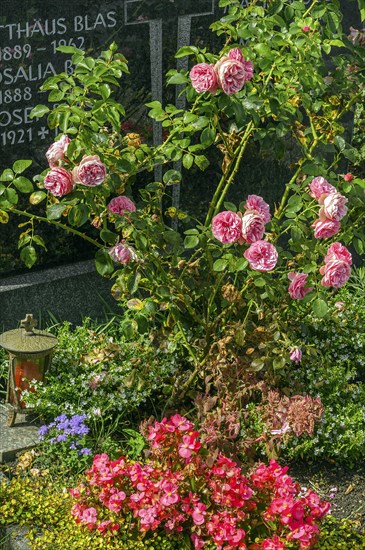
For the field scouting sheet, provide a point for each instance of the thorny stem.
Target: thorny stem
(57, 224)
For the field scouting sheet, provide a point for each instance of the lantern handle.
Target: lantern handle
(29, 323)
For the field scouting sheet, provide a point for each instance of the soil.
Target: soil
(343, 487)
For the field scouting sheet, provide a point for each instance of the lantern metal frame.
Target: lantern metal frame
(28, 345)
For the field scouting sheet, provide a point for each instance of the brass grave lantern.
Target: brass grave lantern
(30, 353)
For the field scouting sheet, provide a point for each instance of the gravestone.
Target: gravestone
(148, 33)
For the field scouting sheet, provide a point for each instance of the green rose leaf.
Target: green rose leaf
(55, 211)
(28, 256)
(39, 111)
(108, 236)
(23, 184)
(20, 165)
(320, 308)
(7, 175)
(171, 177)
(191, 241)
(220, 265)
(78, 215)
(103, 262)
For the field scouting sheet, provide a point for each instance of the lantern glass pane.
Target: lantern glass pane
(26, 370)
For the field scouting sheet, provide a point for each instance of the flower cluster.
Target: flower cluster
(70, 431)
(230, 227)
(59, 181)
(181, 489)
(229, 74)
(333, 208)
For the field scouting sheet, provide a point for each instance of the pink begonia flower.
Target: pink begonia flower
(89, 516)
(335, 273)
(199, 513)
(338, 251)
(120, 205)
(58, 182)
(197, 541)
(226, 227)
(296, 288)
(334, 206)
(348, 177)
(273, 544)
(57, 150)
(320, 186)
(253, 227)
(90, 172)
(296, 355)
(257, 203)
(180, 423)
(122, 254)
(231, 75)
(189, 445)
(204, 78)
(170, 495)
(262, 256)
(325, 229)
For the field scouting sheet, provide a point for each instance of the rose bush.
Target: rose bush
(217, 287)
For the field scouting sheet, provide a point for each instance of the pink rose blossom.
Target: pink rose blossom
(248, 65)
(325, 229)
(334, 206)
(231, 75)
(348, 177)
(338, 251)
(296, 288)
(120, 205)
(57, 150)
(257, 203)
(90, 172)
(235, 53)
(262, 256)
(58, 181)
(335, 273)
(226, 227)
(253, 227)
(203, 78)
(320, 186)
(122, 254)
(296, 355)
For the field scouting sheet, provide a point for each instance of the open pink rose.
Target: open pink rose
(334, 206)
(235, 53)
(58, 181)
(121, 205)
(57, 150)
(257, 203)
(122, 254)
(90, 172)
(320, 186)
(226, 227)
(262, 256)
(338, 251)
(335, 273)
(296, 288)
(203, 78)
(231, 75)
(325, 229)
(253, 227)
